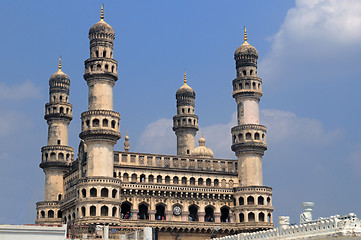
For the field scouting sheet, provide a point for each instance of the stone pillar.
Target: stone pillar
(185, 216)
(135, 214)
(201, 216)
(152, 214)
(168, 215)
(217, 217)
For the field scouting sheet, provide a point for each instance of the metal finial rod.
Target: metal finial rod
(185, 77)
(245, 34)
(102, 12)
(59, 63)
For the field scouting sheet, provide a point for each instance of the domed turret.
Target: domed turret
(202, 151)
(59, 75)
(185, 90)
(101, 28)
(246, 48)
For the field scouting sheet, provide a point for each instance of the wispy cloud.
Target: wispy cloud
(26, 90)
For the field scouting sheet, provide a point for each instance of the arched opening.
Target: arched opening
(208, 182)
(50, 214)
(113, 124)
(112, 68)
(256, 136)
(83, 211)
(61, 110)
(59, 197)
(224, 214)
(60, 214)
(241, 217)
(104, 192)
(193, 213)
(244, 73)
(251, 217)
(216, 182)
(93, 211)
(104, 53)
(248, 136)
(159, 179)
(151, 178)
(99, 67)
(260, 200)
(241, 201)
(142, 178)
(200, 181)
(104, 211)
(65, 220)
(114, 211)
(192, 181)
(253, 85)
(61, 157)
(95, 122)
(93, 192)
(247, 85)
(184, 180)
(125, 210)
(167, 179)
(175, 180)
(240, 137)
(73, 216)
(251, 72)
(114, 193)
(87, 122)
(97, 53)
(209, 217)
(269, 218)
(52, 156)
(261, 217)
(250, 200)
(105, 122)
(134, 177)
(125, 177)
(160, 212)
(268, 201)
(143, 212)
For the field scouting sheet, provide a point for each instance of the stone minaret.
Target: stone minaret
(100, 124)
(185, 123)
(57, 155)
(249, 141)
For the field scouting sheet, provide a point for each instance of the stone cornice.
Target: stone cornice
(101, 112)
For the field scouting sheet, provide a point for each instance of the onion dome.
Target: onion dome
(185, 90)
(59, 76)
(101, 27)
(202, 151)
(246, 48)
(126, 143)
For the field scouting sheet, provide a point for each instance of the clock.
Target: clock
(177, 210)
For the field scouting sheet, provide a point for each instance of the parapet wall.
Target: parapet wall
(335, 227)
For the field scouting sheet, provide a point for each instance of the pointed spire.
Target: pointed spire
(202, 141)
(185, 78)
(126, 143)
(245, 34)
(102, 12)
(59, 67)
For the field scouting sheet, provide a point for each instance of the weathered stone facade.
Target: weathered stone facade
(191, 194)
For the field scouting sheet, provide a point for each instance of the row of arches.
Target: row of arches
(248, 137)
(185, 121)
(99, 123)
(102, 53)
(176, 180)
(61, 98)
(104, 192)
(251, 217)
(186, 110)
(62, 110)
(193, 213)
(100, 67)
(56, 157)
(250, 200)
(247, 85)
(49, 214)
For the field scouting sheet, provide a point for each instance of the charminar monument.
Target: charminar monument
(190, 195)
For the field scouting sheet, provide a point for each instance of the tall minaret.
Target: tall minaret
(185, 123)
(100, 124)
(249, 140)
(57, 155)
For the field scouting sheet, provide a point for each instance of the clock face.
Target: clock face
(177, 210)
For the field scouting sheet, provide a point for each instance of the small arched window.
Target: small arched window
(192, 181)
(106, 67)
(114, 193)
(95, 122)
(104, 192)
(248, 136)
(112, 69)
(113, 124)
(251, 217)
(93, 192)
(241, 201)
(104, 53)
(97, 53)
(99, 67)
(244, 73)
(83, 193)
(105, 122)
(250, 200)
(256, 136)
(216, 182)
(159, 179)
(51, 214)
(175, 180)
(151, 178)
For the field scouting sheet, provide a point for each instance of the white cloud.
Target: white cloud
(283, 128)
(315, 31)
(25, 90)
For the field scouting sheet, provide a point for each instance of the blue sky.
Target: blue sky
(310, 55)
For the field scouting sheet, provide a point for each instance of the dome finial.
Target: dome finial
(59, 67)
(185, 77)
(245, 34)
(102, 12)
